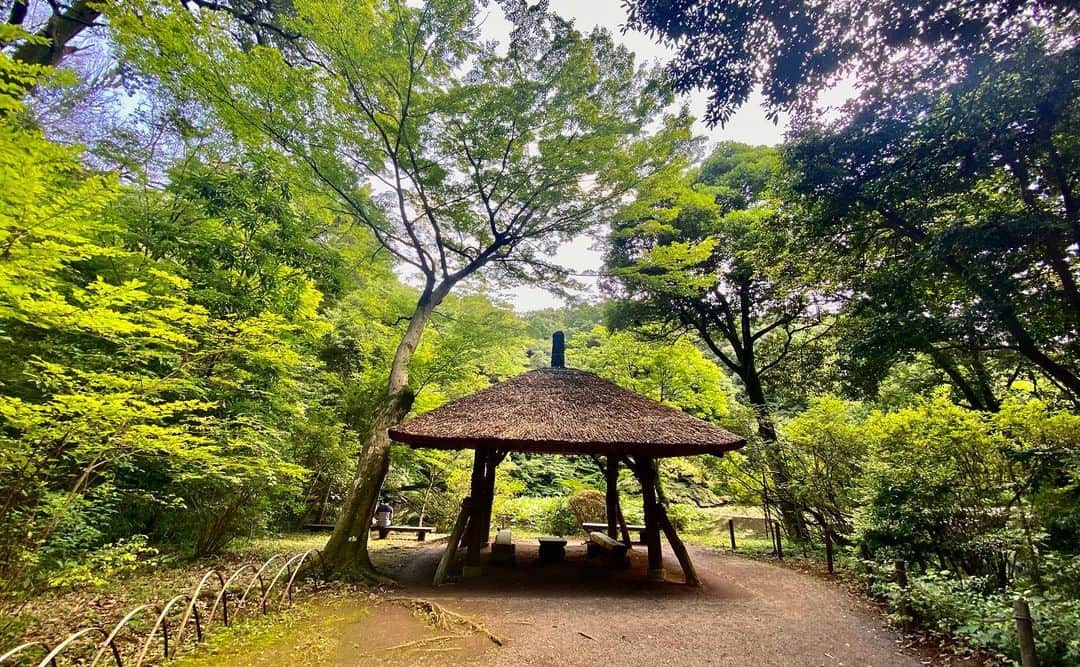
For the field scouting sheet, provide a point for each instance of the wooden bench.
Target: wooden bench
(590, 527)
(421, 531)
(613, 551)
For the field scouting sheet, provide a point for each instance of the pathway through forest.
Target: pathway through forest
(747, 613)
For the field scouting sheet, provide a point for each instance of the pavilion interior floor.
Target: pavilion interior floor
(577, 572)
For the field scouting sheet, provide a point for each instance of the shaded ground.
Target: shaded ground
(345, 630)
(747, 613)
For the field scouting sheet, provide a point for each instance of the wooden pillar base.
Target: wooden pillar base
(656, 575)
(687, 565)
(471, 571)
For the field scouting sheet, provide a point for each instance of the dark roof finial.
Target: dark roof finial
(558, 350)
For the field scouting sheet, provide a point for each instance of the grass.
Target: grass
(53, 615)
(300, 634)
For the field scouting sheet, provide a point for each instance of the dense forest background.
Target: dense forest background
(225, 228)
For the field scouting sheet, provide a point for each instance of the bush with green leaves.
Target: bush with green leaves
(974, 611)
(550, 515)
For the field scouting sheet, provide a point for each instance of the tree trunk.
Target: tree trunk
(647, 476)
(790, 512)
(61, 28)
(346, 553)
(477, 535)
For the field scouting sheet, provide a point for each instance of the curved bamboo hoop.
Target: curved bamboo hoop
(192, 609)
(262, 586)
(286, 566)
(299, 564)
(292, 565)
(164, 625)
(109, 641)
(222, 596)
(22, 647)
(59, 648)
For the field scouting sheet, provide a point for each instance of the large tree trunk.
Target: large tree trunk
(346, 553)
(790, 512)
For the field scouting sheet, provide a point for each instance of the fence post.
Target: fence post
(731, 532)
(779, 542)
(1025, 632)
(902, 581)
(828, 549)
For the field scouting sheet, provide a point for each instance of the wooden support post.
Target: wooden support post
(1025, 633)
(902, 582)
(476, 536)
(828, 548)
(452, 542)
(689, 573)
(779, 541)
(611, 496)
(731, 532)
(491, 462)
(647, 476)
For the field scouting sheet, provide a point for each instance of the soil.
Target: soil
(575, 612)
(746, 612)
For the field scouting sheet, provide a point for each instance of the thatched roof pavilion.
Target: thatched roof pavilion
(562, 410)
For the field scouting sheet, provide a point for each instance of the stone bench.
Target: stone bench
(502, 549)
(612, 551)
(552, 549)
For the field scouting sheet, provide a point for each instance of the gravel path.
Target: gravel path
(747, 613)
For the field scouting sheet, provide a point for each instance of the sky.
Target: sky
(749, 125)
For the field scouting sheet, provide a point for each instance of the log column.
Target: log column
(611, 477)
(647, 476)
(476, 536)
(491, 462)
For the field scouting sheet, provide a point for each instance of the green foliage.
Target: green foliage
(974, 611)
(677, 374)
(551, 515)
(826, 449)
(954, 236)
(105, 564)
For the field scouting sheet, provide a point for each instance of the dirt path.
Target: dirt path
(746, 613)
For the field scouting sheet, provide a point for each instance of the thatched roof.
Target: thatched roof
(564, 411)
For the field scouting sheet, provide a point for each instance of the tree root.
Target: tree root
(442, 618)
(419, 642)
(361, 577)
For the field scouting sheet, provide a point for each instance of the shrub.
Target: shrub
(980, 617)
(690, 518)
(541, 515)
(588, 506)
(103, 565)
